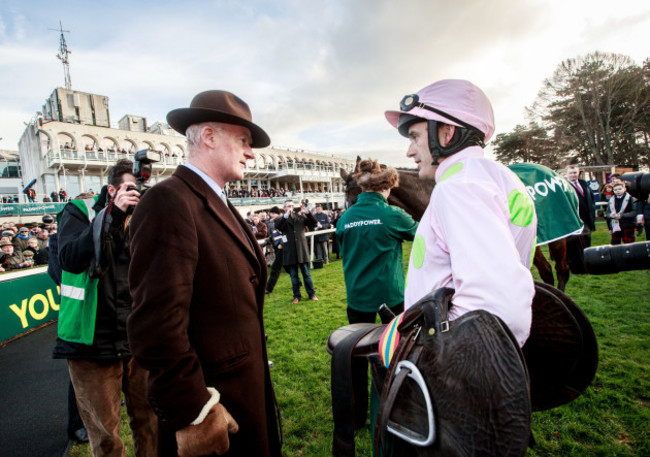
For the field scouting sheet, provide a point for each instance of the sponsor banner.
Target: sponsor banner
(556, 203)
(27, 302)
(30, 209)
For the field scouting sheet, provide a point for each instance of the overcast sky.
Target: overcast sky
(317, 74)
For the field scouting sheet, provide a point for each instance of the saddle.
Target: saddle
(454, 388)
(561, 356)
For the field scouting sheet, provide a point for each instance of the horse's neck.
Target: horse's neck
(412, 195)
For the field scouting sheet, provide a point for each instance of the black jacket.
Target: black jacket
(325, 223)
(296, 249)
(586, 205)
(76, 253)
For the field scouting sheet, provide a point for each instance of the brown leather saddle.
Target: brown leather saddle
(454, 388)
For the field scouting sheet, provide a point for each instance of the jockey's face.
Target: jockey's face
(419, 150)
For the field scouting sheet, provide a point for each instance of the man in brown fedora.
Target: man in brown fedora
(197, 278)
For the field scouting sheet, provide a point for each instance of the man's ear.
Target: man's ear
(445, 134)
(111, 190)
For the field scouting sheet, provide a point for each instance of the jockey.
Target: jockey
(478, 233)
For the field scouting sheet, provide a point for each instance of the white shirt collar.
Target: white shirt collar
(208, 180)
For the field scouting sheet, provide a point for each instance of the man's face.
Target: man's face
(288, 206)
(619, 190)
(319, 210)
(232, 150)
(127, 180)
(32, 243)
(8, 249)
(572, 173)
(44, 235)
(419, 150)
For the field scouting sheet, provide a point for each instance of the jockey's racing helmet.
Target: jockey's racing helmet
(450, 101)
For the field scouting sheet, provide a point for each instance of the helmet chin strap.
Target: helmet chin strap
(461, 139)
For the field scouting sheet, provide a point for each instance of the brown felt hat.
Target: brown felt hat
(218, 106)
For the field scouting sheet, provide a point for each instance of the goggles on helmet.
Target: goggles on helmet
(412, 101)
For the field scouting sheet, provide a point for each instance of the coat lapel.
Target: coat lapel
(225, 215)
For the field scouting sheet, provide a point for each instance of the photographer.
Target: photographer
(95, 303)
(296, 251)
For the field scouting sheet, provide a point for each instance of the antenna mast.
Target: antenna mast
(63, 54)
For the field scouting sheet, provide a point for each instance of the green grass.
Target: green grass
(610, 419)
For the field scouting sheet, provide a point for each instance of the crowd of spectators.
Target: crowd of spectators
(26, 246)
(263, 218)
(264, 192)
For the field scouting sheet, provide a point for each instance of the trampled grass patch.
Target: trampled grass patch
(610, 419)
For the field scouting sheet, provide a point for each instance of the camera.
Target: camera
(142, 167)
(637, 184)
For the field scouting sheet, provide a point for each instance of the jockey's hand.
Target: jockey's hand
(125, 198)
(209, 436)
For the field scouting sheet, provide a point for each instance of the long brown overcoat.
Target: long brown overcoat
(197, 278)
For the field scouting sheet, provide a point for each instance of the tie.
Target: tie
(577, 185)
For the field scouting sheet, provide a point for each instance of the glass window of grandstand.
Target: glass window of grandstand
(92, 184)
(50, 184)
(71, 185)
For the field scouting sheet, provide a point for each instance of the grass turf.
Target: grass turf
(610, 419)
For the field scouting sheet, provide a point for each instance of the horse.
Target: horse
(413, 194)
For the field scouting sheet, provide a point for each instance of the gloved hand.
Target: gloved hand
(209, 436)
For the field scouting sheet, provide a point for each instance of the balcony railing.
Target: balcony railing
(72, 156)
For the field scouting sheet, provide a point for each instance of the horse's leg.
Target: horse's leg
(558, 249)
(543, 267)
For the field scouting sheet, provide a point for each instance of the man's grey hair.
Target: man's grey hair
(193, 133)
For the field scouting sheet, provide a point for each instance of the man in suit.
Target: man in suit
(586, 204)
(296, 251)
(197, 278)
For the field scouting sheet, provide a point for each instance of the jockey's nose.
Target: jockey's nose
(410, 152)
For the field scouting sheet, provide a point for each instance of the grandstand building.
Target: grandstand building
(72, 143)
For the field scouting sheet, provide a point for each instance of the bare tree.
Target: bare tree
(597, 107)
